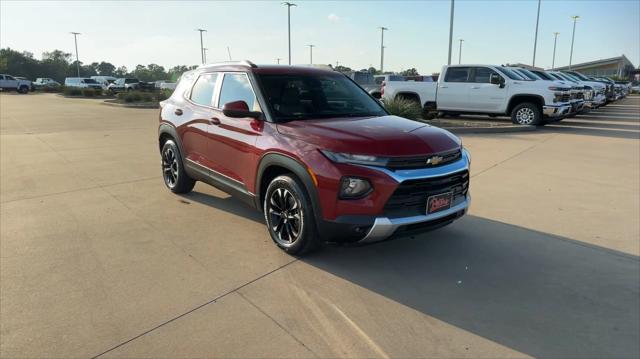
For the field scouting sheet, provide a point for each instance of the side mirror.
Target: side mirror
(496, 79)
(239, 109)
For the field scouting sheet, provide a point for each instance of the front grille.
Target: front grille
(565, 98)
(406, 163)
(410, 198)
(580, 95)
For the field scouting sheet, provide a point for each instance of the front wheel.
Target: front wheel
(289, 216)
(23, 89)
(527, 113)
(173, 173)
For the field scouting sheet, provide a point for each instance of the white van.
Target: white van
(83, 82)
(104, 80)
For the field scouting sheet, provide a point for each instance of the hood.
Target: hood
(380, 136)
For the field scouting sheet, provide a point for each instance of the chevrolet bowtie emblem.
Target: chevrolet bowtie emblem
(434, 160)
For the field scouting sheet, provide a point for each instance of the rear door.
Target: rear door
(453, 91)
(198, 113)
(232, 140)
(484, 96)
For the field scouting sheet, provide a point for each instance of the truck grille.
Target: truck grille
(580, 95)
(406, 163)
(410, 198)
(565, 98)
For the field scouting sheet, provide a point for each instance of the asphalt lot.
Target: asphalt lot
(98, 258)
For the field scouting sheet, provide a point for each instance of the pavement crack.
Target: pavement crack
(213, 300)
(278, 324)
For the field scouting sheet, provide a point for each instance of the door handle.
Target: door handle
(215, 121)
(444, 87)
(475, 87)
(178, 112)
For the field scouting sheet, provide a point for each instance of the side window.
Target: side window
(10, 78)
(379, 80)
(236, 87)
(457, 74)
(202, 91)
(483, 75)
(1, 77)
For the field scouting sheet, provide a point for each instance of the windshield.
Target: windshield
(525, 74)
(510, 74)
(314, 96)
(90, 81)
(579, 75)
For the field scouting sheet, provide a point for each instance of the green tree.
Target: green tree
(105, 69)
(410, 72)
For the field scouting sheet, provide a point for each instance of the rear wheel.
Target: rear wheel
(173, 173)
(289, 216)
(23, 89)
(527, 113)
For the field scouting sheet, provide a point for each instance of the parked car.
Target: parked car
(168, 86)
(130, 84)
(313, 151)
(31, 85)
(10, 83)
(610, 88)
(82, 82)
(599, 97)
(579, 92)
(486, 89)
(45, 82)
(104, 80)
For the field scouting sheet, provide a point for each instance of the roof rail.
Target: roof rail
(242, 62)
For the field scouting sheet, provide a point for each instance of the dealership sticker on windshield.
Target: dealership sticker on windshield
(439, 202)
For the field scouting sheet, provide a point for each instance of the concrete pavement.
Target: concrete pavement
(97, 257)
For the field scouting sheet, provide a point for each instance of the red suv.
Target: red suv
(316, 153)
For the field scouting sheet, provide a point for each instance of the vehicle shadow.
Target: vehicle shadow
(537, 293)
(228, 204)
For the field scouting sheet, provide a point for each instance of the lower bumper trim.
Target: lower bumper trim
(556, 111)
(384, 227)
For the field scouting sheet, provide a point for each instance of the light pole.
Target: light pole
(460, 52)
(75, 39)
(204, 50)
(450, 34)
(575, 19)
(382, 30)
(229, 53)
(535, 41)
(311, 53)
(555, 40)
(278, 59)
(289, 5)
(201, 44)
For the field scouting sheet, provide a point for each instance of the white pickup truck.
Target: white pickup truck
(8, 83)
(485, 89)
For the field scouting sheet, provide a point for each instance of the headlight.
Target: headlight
(556, 88)
(354, 187)
(355, 159)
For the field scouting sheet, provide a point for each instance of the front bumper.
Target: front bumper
(384, 227)
(373, 228)
(556, 110)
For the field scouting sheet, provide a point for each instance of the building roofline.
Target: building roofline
(596, 62)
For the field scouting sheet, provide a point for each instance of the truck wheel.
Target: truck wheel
(173, 173)
(289, 216)
(526, 113)
(23, 89)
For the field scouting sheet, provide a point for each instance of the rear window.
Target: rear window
(202, 91)
(457, 74)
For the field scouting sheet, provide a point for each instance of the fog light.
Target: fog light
(353, 187)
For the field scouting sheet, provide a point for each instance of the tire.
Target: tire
(129, 89)
(23, 89)
(428, 114)
(173, 173)
(527, 113)
(296, 234)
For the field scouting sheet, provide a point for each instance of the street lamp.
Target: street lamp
(311, 53)
(204, 50)
(460, 51)
(201, 45)
(289, 5)
(450, 34)
(229, 53)
(75, 39)
(555, 40)
(382, 30)
(575, 19)
(535, 41)
(278, 59)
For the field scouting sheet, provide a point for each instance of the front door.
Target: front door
(232, 144)
(483, 95)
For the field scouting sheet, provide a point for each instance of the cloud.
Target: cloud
(333, 18)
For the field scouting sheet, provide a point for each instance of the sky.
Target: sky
(163, 32)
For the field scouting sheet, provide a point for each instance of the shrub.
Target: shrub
(403, 108)
(72, 91)
(89, 92)
(163, 95)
